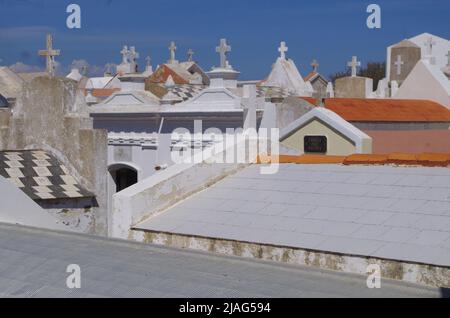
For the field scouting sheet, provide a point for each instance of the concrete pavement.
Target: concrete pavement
(33, 264)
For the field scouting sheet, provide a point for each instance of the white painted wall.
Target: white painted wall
(428, 82)
(440, 50)
(17, 208)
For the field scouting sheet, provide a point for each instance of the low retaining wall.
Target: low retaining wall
(424, 274)
(163, 190)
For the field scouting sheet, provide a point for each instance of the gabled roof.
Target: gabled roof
(122, 98)
(102, 92)
(388, 110)
(331, 119)
(406, 43)
(285, 75)
(426, 81)
(162, 74)
(99, 82)
(314, 75)
(310, 76)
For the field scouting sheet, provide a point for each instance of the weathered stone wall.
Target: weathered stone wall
(353, 87)
(290, 110)
(51, 115)
(409, 56)
(424, 274)
(320, 89)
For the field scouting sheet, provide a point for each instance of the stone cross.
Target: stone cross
(283, 49)
(125, 53)
(354, 64)
(133, 55)
(172, 49)
(223, 49)
(108, 68)
(190, 54)
(84, 70)
(148, 59)
(399, 64)
(315, 65)
(50, 54)
(430, 43)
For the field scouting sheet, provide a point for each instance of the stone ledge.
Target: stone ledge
(423, 274)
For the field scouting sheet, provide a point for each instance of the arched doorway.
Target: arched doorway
(123, 176)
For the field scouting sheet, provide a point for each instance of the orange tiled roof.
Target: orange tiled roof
(424, 159)
(310, 100)
(103, 92)
(388, 110)
(309, 76)
(163, 72)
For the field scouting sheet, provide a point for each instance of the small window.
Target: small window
(315, 144)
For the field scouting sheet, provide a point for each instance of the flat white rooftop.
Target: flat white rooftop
(395, 213)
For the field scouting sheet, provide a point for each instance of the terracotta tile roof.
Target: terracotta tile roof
(309, 76)
(162, 73)
(424, 159)
(388, 110)
(310, 100)
(102, 92)
(365, 159)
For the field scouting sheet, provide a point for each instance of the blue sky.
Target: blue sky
(329, 30)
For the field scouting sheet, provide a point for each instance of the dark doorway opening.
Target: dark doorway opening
(124, 177)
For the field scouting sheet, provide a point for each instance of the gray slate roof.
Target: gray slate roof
(40, 175)
(33, 263)
(398, 213)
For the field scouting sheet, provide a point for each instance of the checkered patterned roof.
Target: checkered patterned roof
(40, 175)
(187, 91)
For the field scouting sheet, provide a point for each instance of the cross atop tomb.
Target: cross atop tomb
(283, 49)
(50, 54)
(354, 64)
(190, 54)
(223, 49)
(172, 49)
(125, 53)
(108, 69)
(148, 60)
(315, 65)
(429, 44)
(133, 55)
(84, 70)
(399, 64)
